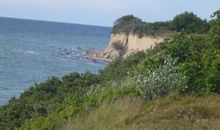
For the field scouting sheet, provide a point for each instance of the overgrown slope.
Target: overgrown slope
(187, 64)
(173, 112)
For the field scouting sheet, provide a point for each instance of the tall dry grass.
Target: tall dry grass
(173, 112)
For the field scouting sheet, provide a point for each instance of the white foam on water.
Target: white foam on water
(32, 52)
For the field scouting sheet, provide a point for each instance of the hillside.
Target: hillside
(174, 85)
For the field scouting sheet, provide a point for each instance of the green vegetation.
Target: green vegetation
(175, 85)
(130, 24)
(190, 23)
(173, 112)
(187, 21)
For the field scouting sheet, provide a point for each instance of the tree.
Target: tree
(215, 28)
(127, 24)
(190, 23)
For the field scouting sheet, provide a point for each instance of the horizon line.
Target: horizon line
(61, 22)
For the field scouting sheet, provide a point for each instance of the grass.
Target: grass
(109, 116)
(174, 112)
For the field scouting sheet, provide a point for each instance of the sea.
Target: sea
(31, 51)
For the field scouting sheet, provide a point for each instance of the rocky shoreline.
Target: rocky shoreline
(120, 46)
(88, 54)
(96, 55)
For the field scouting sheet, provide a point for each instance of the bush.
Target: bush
(190, 23)
(161, 81)
(187, 21)
(130, 24)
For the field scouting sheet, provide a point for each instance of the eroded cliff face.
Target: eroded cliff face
(122, 45)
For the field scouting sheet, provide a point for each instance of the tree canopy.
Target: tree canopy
(190, 23)
(186, 21)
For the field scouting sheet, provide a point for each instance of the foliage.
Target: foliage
(127, 24)
(122, 68)
(111, 115)
(159, 82)
(174, 112)
(198, 59)
(130, 24)
(190, 23)
(186, 21)
(92, 99)
(188, 63)
(44, 98)
(215, 31)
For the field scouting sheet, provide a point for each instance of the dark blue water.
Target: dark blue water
(31, 51)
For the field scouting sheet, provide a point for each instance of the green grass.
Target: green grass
(173, 112)
(96, 98)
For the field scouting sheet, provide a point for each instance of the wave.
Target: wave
(32, 52)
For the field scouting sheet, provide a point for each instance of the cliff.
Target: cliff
(122, 45)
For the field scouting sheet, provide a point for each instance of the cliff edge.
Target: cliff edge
(129, 35)
(122, 45)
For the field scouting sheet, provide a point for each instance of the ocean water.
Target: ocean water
(32, 51)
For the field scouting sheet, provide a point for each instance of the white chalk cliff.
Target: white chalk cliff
(122, 45)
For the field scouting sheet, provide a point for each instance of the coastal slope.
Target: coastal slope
(174, 85)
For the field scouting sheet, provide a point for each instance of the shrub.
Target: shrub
(190, 23)
(131, 24)
(161, 81)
